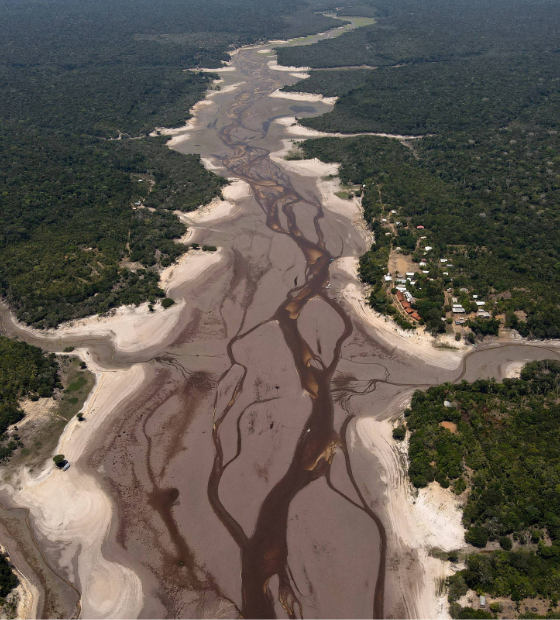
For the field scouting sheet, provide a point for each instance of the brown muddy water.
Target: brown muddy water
(240, 487)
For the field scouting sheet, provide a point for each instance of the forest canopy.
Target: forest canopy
(499, 442)
(495, 221)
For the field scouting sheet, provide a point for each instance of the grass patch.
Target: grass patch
(343, 194)
(359, 22)
(76, 385)
(40, 434)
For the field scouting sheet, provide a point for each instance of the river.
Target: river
(238, 482)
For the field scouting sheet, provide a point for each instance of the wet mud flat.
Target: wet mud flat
(239, 479)
(240, 486)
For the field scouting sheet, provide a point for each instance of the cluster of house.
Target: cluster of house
(402, 282)
(457, 308)
(444, 262)
(404, 297)
(405, 303)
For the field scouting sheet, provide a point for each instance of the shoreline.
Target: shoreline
(134, 328)
(297, 130)
(419, 520)
(73, 509)
(442, 351)
(76, 510)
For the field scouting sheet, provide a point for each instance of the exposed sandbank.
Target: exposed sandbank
(419, 520)
(513, 370)
(300, 75)
(178, 134)
(72, 510)
(26, 593)
(219, 209)
(327, 183)
(225, 69)
(28, 596)
(280, 94)
(273, 64)
(295, 129)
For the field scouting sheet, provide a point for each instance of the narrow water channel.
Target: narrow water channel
(264, 551)
(239, 483)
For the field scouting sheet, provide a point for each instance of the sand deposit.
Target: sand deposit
(280, 94)
(227, 373)
(512, 370)
(420, 520)
(300, 75)
(218, 209)
(71, 509)
(295, 129)
(219, 70)
(273, 64)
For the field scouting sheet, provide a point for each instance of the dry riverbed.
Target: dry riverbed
(237, 454)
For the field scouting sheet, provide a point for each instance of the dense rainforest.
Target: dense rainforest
(434, 31)
(71, 81)
(483, 179)
(500, 441)
(25, 371)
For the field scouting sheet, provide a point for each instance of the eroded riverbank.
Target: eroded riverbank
(225, 465)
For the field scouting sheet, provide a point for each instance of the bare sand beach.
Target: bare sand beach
(299, 131)
(237, 459)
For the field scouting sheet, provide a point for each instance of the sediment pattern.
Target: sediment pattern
(241, 482)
